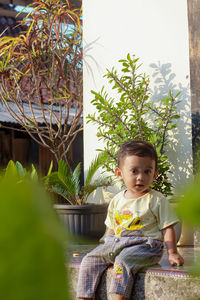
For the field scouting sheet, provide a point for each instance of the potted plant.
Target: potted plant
(41, 76)
(81, 218)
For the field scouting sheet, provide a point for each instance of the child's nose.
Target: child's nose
(140, 176)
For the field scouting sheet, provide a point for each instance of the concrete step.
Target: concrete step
(160, 282)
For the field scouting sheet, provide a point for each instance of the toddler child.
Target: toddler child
(139, 219)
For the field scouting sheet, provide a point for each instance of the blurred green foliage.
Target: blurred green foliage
(189, 207)
(189, 211)
(32, 242)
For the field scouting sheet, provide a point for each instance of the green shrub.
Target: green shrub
(189, 211)
(134, 116)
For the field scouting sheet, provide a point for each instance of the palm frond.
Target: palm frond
(66, 177)
(20, 169)
(62, 192)
(99, 182)
(50, 168)
(63, 168)
(11, 170)
(67, 183)
(76, 178)
(102, 181)
(34, 174)
(56, 185)
(56, 179)
(96, 163)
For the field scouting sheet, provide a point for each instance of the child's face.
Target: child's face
(137, 173)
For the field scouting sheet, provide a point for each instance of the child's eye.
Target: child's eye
(134, 171)
(148, 172)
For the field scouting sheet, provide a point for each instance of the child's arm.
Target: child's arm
(107, 233)
(170, 241)
(110, 231)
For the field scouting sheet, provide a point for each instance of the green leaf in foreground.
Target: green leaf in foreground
(32, 242)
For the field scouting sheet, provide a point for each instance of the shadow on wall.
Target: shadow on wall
(179, 150)
(90, 60)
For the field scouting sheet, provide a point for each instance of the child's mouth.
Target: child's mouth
(139, 185)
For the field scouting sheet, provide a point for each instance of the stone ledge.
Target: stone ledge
(160, 282)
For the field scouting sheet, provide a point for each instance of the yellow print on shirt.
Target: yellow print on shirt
(127, 221)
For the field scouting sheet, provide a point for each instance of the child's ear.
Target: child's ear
(155, 174)
(118, 172)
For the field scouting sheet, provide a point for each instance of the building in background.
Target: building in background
(15, 144)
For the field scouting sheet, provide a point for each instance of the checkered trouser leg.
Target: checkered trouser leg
(91, 270)
(129, 262)
(128, 254)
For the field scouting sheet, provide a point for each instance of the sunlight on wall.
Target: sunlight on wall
(157, 32)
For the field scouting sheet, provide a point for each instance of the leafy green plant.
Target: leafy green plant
(20, 172)
(132, 115)
(66, 183)
(189, 211)
(33, 242)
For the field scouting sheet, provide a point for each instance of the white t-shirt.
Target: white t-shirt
(143, 216)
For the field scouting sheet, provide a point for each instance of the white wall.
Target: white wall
(157, 32)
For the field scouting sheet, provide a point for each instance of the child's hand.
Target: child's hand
(175, 259)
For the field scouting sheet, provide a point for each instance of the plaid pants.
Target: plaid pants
(127, 254)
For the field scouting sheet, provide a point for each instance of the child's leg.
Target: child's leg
(129, 261)
(89, 276)
(91, 269)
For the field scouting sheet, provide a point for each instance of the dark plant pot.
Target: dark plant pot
(84, 220)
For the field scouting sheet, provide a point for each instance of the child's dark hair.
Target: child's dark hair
(138, 148)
